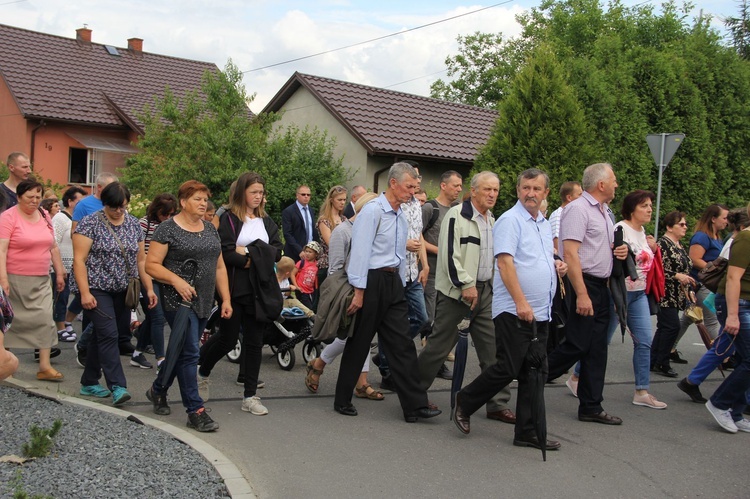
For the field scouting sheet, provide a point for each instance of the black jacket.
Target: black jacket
(239, 277)
(295, 235)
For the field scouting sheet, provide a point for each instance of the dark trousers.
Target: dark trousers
(218, 345)
(667, 329)
(110, 318)
(586, 340)
(512, 339)
(384, 310)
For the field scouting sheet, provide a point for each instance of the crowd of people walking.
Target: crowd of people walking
(390, 264)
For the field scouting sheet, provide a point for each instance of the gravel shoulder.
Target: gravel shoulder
(97, 454)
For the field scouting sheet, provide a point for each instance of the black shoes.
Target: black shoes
(346, 410)
(692, 391)
(160, 403)
(201, 421)
(675, 357)
(54, 352)
(533, 441)
(460, 419)
(445, 373)
(422, 412)
(601, 417)
(386, 383)
(664, 370)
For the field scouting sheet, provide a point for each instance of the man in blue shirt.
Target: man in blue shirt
(523, 292)
(92, 204)
(377, 271)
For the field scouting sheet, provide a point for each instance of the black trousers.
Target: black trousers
(667, 330)
(586, 340)
(384, 310)
(512, 339)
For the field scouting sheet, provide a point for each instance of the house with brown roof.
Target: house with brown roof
(375, 127)
(72, 105)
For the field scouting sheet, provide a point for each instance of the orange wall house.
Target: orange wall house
(72, 105)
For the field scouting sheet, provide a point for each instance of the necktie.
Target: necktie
(308, 223)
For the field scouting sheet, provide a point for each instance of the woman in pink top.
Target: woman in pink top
(27, 242)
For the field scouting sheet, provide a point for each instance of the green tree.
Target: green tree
(485, 65)
(739, 30)
(635, 71)
(211, 136)
(542, 125)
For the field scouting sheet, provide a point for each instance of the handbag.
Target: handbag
(133, 292)
(711, 275)
(6, 311)
(693, 311)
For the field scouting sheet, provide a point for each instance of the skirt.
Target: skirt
(31, 298)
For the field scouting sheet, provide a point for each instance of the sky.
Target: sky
(258, 33)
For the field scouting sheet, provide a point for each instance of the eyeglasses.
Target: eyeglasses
(118, 208)
(683, 224)
(305, 194)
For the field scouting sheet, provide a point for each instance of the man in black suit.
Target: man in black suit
(357, 192)
(298, 224)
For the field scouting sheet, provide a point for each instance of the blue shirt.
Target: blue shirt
(529, 242)
(712, 246)
(87, 206)
(378, 240)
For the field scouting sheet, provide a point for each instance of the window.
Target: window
(79, 166)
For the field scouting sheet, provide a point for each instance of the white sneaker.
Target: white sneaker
(203, 390)
(648, 400)
(572, 385)
(724, 418)
(743, 424)
(253, 406)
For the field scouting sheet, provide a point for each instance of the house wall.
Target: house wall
(52, 150)
(13, 132)
(303, 109)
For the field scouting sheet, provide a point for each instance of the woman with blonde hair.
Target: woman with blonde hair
(331, 216)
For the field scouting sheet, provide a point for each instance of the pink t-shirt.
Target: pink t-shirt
(29, 243)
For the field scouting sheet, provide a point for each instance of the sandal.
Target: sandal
(49, 375)
(310, 383)
(368, 392)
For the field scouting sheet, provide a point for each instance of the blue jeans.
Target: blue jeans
(152, 328)
(722, 348)
(60, 305)
(414, 294)
(187, 364)
(639, 323)
(732, 393)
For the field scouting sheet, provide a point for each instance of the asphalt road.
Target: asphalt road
(302, 448)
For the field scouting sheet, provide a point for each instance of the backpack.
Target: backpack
(433, 217)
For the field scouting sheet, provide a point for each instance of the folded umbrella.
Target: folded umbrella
(178, 331)
(459, 363)
(536, 365)
(620, 270)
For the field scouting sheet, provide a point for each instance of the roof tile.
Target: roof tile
(59, 78)
(393, 122)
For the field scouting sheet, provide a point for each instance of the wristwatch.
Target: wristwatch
(247, 251)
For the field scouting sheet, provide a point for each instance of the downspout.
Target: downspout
(33, 140)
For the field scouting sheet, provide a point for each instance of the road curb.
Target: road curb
(237, 485)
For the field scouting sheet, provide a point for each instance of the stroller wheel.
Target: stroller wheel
(286, 359)
(310, 351)
(234, 354)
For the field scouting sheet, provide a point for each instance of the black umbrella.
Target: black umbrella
(459, 363)
(536, 364)
(620, 270)
(178, 329)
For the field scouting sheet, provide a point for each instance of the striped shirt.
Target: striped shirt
(587, 221)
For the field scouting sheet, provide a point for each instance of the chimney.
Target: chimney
(83, 35)
(135, 45)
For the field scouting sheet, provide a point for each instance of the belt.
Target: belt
(592, 278)
(481, 284)
(392, 270)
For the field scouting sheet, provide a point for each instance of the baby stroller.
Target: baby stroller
(287, 331)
